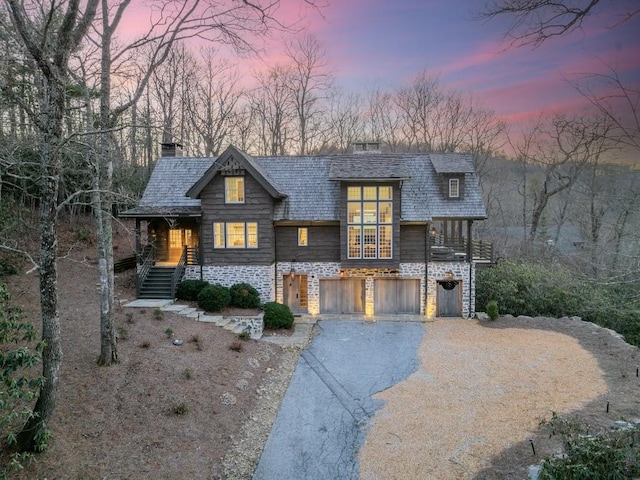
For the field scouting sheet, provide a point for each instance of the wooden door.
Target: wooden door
(344, 295)
(295, 293)
(449, 299)
(396, 296)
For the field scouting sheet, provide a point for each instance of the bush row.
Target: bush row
(522, 288)
(213, 298)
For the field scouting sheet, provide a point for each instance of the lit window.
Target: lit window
(234, 190)
(303, 237)
(235, 235)
(369, 218)
(454, 188)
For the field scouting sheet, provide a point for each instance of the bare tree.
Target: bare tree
(417, 103)
(345, 119)
(535, 21)
(310, 78)
(49, 35)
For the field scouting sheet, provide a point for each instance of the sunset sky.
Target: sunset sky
(386, 42)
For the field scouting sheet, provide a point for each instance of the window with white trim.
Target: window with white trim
(303, 236)
(454, 188)
(233, 189)
(369, 222)
(235, 235)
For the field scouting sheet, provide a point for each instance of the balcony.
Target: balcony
(458, 251)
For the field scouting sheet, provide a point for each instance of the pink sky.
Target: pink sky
(387, 42)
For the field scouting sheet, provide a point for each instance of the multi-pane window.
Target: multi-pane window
(303, 237)
(235, 235)
(454, 188)
(233, 189)
(369, 219)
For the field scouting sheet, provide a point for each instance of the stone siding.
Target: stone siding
(259, 277)
(438, 271)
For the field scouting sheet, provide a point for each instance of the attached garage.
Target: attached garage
(396, 296)
(342, 295)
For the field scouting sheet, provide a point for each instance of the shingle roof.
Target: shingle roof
(452, 163)
(374, 166)
(311, 184)
(165, 193)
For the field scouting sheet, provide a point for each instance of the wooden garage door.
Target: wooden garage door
(395, 295)
(343, 295)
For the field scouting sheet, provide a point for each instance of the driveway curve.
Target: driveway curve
(325, 413)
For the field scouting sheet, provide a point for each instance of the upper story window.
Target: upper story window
(454, 188)
(369, 222)
(233, 189)
(303, 236)
(235, 235)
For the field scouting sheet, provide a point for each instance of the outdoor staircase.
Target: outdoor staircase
(157, 284)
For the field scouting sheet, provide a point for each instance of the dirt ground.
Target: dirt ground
(120, 422)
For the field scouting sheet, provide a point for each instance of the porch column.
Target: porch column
(469, 246)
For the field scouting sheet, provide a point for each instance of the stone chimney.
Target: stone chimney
(366, 147)
(172, 149)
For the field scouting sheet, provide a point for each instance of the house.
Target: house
(368, 233)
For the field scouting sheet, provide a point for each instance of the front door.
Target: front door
(178, 238)
(295, 293)
(449, 299)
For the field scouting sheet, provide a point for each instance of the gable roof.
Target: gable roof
(232, 154)
(307, 188)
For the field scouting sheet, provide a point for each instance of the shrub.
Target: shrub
(607, 455)
(277, 315)
(492, 310)
(189, 289)
(214, 298)
(244, 295)
(180, 408)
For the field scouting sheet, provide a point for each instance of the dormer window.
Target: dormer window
(233, 189)
(454, 188)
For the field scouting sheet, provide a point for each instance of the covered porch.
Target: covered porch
(451, 240)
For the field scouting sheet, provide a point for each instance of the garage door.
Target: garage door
(395, 295)
(343, 295)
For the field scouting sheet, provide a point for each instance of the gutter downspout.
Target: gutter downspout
(427, 246)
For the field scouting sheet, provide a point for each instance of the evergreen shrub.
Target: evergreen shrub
(214, 298)
(244, 295)
(189, 289)
(492, 310)
(277, 315)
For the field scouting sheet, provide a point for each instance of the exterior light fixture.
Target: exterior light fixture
(433, 232)
(448, 275)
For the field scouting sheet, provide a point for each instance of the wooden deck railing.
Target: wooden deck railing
(176, 277)
(457, 251)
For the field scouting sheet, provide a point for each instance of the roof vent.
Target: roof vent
(172, 149)
(366, 147)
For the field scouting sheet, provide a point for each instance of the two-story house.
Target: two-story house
(368, 233)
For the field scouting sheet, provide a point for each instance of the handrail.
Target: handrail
(148, 262)
(176, 276)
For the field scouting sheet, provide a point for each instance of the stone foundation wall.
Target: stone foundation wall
(260, 277)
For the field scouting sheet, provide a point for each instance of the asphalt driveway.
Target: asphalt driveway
(324, 415)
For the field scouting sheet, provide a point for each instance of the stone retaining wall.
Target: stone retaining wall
(260, 277)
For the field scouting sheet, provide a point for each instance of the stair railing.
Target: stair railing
(142, 274)
(178, 271)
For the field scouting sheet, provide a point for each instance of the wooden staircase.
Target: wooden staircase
(157, 283)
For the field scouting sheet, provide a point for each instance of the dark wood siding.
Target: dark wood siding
(443, 181)
(413, 247)
(324, 244)
(386, 263)
(258, 207)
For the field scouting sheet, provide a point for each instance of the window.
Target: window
(235, 235)
(454, 188)
(303, 237)
(233, 189)
(369, 219)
